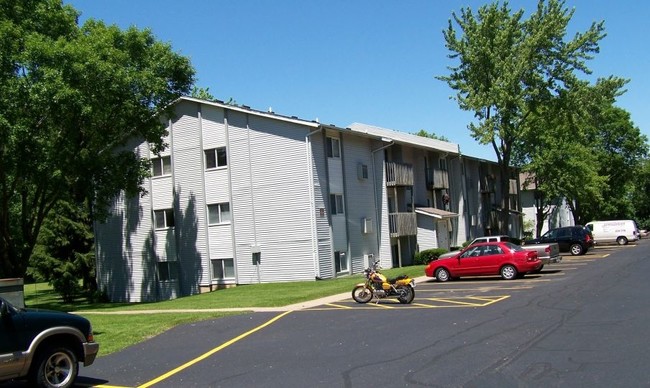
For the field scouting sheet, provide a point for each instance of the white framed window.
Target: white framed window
(216, 157)
(163, 218)
(223, 269)
(336, 204)
(167, 271)
(333, 147)
(218, 213)
(162, 165)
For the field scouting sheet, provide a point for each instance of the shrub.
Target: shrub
(424, 257)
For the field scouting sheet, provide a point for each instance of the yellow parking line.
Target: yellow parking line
(337, 305)
(381, 305)
(458, 302)
(211, 352)
(423, 305)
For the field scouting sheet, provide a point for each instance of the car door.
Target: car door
(564, 238)
(490, 260)
(467, 262)
(10, 366)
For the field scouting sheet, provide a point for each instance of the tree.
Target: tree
(71, 99)
(509, 68)
(581, 147)
(641, 194)
(431, 135)
(65, 251)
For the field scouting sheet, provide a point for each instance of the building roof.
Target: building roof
(435, 213)
(407, 138)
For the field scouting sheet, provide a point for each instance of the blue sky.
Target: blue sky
(368, 61)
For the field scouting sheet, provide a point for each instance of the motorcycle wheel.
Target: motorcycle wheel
(407, 294)
(361, 294)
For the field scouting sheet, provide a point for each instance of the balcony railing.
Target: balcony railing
(437, 179)
(402, 224)
(487, 185)
(399, 174)
(512, 189)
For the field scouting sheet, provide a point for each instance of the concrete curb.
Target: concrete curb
(292, 307)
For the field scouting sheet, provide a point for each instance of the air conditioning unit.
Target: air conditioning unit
(367, 225)
(369, 259)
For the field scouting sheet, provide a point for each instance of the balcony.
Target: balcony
(399, 174)
(512, 186)
(402, 224)
(437, 179)
(487, 185)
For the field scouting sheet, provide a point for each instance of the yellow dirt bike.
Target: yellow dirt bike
(378, 286)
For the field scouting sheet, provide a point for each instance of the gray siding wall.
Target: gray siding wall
(379, 176)
(270, 199)
(325, 259)
(360, 199)
(126, 262)
(189, 197)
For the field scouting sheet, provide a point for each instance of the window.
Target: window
(442, 163)
(218, 213)
(167, 270)
(162, 166)
(216, 157)
(336, 204)
(223, 269)
(362, 171)
(333, 147)
(163, 218)
(340, 262)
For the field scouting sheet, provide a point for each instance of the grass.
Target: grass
(117, 331)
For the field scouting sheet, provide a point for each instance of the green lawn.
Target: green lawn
(117, 331)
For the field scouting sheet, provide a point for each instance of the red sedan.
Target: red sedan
(494, 258)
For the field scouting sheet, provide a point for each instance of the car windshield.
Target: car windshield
(513, 247)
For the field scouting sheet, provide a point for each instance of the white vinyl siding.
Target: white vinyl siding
(270, 199)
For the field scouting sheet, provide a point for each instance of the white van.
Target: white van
(619, 231)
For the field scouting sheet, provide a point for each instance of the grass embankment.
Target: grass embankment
(116, 331)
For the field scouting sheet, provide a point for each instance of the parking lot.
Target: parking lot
(480, 291)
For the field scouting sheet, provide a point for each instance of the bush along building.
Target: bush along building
(242, 196)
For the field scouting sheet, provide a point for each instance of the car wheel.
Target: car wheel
(508, 272)
(621, 240)
(576, 249)
(55, 367)
(442, 275)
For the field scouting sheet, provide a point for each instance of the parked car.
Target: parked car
(547, 253)
(485, 259)
(574, 239)
(43, 346)
(618, 231)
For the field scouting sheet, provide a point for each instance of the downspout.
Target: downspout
(378, 194)
(312, 203)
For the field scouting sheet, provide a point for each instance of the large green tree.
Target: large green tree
(582, 147)
(71, 98)
(509, 68)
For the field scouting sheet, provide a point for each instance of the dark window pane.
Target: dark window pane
(210, 159)
(222, 160)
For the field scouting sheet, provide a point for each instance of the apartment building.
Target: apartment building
(242, 196)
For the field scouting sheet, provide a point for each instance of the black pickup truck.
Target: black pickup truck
(43, 346)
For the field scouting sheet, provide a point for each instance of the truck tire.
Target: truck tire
(622, 240)
(54, 367)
